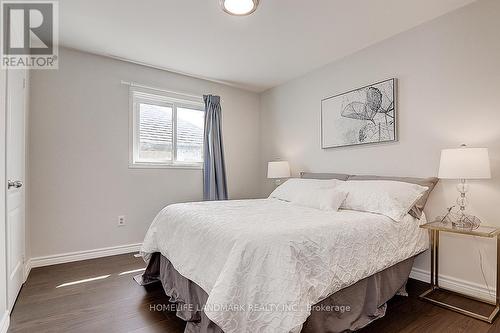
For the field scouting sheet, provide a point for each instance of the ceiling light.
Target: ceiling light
(239, 7)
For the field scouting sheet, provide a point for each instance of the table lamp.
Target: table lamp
(464, 163)
(278, 170)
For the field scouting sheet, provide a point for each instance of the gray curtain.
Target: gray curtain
(214, 170)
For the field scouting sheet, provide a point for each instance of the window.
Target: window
(166, 131)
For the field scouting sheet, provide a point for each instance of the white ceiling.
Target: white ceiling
(282, 40)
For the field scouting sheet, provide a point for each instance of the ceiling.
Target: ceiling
(282, 40)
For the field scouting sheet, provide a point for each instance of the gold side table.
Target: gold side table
(483, 231)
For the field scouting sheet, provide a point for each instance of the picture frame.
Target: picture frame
(365, 115)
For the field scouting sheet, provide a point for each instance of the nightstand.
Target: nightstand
(483, 231)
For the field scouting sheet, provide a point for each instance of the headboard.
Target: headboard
(310, 175)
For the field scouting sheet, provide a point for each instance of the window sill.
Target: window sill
(165, 166)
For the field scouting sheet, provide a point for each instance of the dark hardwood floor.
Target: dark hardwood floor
(100, 295)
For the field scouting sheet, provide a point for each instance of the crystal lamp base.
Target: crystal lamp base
(460, 219)
(465, 221)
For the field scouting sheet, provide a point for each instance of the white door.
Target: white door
(15, 146)
(3, 253)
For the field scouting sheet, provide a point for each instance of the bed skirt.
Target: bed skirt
(348, 309)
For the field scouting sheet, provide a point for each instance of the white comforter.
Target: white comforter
(264, 262)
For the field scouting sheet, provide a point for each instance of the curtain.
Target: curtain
(214, 170)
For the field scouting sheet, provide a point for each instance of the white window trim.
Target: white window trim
(167, 100)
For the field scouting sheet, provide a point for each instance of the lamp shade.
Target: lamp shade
(278, 169)
(465, 163)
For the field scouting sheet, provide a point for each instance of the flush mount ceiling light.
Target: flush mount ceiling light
(239, 7)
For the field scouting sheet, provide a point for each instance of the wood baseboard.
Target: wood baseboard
(455, 284)
(79, 255)
(4, 322)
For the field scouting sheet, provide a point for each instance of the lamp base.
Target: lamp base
(460, 219)
(466, 221)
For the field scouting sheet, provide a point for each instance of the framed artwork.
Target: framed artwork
(361, 116)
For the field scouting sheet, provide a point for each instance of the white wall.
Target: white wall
(449, 93)
(79, 176)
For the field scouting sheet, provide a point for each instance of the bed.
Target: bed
(268, 265)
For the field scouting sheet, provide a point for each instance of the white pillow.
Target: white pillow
(323, 198)
(390, 198)
(295, 187)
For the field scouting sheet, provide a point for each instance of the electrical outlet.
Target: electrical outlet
(121, 220)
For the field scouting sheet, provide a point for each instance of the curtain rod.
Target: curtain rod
(138, 85)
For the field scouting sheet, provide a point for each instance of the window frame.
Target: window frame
(139, 96)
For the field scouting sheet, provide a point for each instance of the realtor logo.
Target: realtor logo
(29, 34)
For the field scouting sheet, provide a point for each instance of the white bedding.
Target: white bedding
(264, 262)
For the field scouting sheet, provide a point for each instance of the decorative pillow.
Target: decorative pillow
(295, 188)
(417, 210)
(323, 198)
(390, 198)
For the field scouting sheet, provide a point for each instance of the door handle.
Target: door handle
(14, 184)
